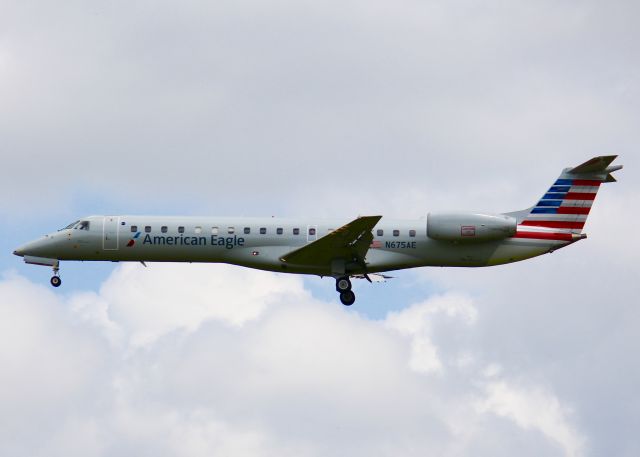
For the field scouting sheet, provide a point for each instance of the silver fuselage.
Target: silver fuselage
(240, 241)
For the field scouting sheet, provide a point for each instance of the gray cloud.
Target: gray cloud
(317, 101)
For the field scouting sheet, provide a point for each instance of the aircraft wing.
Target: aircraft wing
(349, 242)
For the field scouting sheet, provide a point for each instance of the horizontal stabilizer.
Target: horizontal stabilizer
(596, 165)
(597, 168)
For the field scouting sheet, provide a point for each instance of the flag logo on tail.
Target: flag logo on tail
(566, 205)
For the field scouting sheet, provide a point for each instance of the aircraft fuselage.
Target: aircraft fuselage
(261, 243)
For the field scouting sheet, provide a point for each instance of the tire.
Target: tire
(343, 284)
(56, 281)
(348, 298)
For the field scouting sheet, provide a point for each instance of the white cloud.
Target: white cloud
(149, 304)
(534, 408)
(281, 373)
(416, 322)
(51, 368)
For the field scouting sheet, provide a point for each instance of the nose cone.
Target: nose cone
(34, 248)
(19, 251)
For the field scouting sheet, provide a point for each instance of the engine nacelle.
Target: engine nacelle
(470, 226)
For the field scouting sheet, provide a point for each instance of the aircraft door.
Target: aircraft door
(312, 233)
(110, 237)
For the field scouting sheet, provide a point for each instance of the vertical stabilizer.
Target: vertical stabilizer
(568, 201)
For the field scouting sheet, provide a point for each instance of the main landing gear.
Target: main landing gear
(343, 286)
(55, 279)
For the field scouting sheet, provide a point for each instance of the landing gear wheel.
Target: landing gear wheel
(56, 281)
(343, 284)
(347, 298)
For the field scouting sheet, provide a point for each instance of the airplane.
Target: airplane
(365, 247)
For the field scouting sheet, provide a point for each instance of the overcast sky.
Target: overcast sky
(317, 109)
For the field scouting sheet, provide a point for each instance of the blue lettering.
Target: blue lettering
(228, 242)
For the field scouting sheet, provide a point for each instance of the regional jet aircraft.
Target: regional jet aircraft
(363, 248)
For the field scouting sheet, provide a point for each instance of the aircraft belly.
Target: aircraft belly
(379, 260)
(515, 250)
(432, 253)
(447, 253)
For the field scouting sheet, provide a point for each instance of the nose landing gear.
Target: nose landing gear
(55, 279)
(343, 286)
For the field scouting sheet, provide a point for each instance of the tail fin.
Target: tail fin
(567, 203)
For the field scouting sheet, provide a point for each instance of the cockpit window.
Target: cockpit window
(83, 225)
(70, 226)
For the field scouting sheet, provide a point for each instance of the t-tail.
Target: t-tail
(566, 205)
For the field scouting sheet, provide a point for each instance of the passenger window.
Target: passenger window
(412, 233)
(231, 230)
(147, 229)
(214, 230)
(312, 231)
(263, 230)
(279, 231)
(134, 228)
(163, 229)
(296, 231)
(380, 232)
(396, 233)
(181, 229)
(247, 230)
(198, 230)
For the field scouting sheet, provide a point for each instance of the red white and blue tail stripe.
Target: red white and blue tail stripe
(566, 205)
(562, 211)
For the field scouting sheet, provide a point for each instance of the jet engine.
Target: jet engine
(470, 226)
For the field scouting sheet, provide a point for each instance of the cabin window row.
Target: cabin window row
(230, 230)
(395, 232)
(262, 230)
